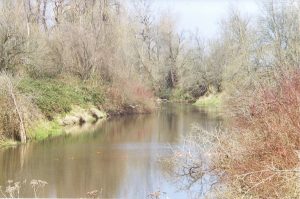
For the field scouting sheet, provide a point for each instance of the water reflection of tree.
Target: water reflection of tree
(12, 162)
(118, 158)
(65, 166)
(187, 167)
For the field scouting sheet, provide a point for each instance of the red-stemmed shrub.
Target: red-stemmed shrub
(268, 128)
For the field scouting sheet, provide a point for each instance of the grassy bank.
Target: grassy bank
(48, 105)
(5, 143)
(44, 129)
(214, 100)
(57, 97)
(179, 95)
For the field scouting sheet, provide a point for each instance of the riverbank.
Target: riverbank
(47, 106)
(212, 100)
(209, 98)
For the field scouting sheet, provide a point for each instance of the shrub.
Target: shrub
(129, 97)
(15, 110)
(12, 40)
(269, 127)
(259, 156)
(181, 95)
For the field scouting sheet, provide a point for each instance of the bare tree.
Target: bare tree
(10, 91)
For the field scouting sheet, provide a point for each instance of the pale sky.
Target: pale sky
(205, 15)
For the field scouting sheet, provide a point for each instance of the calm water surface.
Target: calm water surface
(119, 158)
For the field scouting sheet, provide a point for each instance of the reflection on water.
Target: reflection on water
(119, 158)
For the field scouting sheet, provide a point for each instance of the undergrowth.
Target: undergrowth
(55, 97)
(209, 101)
(7, 143)
(44, 129)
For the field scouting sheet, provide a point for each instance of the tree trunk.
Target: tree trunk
(44, 20)
(22, 132)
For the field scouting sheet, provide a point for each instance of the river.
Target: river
(119, 157)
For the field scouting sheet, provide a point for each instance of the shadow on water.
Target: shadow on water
(118, 158)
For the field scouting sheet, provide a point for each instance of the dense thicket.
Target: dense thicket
(258, 156)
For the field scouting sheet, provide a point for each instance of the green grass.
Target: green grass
(41, 130)
(55, 97)
(180, 95)
(45, 129)
(209, 101)
(7, 143)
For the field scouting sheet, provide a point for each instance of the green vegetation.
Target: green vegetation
(55, 97)
(209, 101)
(44, 129)
(7, 143)
(179, 95)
